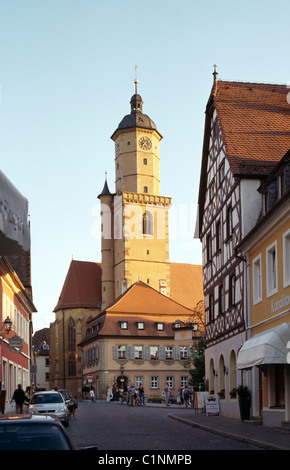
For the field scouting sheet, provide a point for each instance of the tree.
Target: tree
(196, 364)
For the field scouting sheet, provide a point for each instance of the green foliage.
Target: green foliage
(196, 364)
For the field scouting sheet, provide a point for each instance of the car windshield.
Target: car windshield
(25, 436)
(41, 398)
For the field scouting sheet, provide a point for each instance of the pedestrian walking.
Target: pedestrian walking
(19, 397)
(186, 395)
(167, 393)
(92, 395)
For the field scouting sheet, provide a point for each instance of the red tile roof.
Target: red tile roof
(255, 123)
(82, 286)
(141, 303)
(141, 299)
(186, 284)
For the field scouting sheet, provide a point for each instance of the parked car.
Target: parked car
(33, 432)
(49, 403)
(66, 395)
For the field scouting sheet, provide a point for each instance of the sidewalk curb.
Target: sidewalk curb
(228, 434)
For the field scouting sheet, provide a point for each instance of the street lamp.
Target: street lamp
(122, 378)
(7, 327)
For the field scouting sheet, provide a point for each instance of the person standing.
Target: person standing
(131, 392)
(109, 394)
(19, 397)
(141, 394)
(167, 393)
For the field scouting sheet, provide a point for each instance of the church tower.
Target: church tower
(135, 237)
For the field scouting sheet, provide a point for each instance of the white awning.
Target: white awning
(269, 347)
(14, 229)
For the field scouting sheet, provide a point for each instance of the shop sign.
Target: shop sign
(15, 344)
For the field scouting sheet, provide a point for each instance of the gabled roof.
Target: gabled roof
(254, 120)
(141, 298)
(140, 303)
(82, 286)
(255, 124)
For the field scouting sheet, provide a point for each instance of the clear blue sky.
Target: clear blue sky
(66, 78)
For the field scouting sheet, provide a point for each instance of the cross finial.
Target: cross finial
(214, 72)
(136, 80)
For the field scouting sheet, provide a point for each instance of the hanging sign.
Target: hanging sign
(15, 344)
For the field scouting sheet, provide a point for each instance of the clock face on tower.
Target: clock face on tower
(145, 143)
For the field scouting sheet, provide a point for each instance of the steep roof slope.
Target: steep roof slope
(255, 123)
(82, 286)
(186, 284)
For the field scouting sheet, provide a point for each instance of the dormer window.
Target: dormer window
(282, 184)
(124, 325)
(140, 325)
(160, 326)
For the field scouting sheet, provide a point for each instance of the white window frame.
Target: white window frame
(138, 352)
(183, 381)
(154, 381)
(183, 353)
(122, 352)
(272, 269)
(170, 380)
(286, 258)
(154, 352)
(257, 279)
(169, 352)
(138, 381)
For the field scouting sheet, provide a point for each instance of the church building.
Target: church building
(135, 310)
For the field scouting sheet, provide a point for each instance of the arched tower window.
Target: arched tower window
(71, 346)
(147, 223)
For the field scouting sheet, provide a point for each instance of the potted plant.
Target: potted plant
(244, 401)
(221, 393)
(233, 393)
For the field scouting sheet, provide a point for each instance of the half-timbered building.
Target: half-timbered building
(246, 132)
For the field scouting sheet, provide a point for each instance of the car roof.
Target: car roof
(27, 418)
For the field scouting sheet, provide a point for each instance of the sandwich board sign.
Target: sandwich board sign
(200, 399)
(212, 404)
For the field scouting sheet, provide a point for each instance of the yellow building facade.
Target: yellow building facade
(143, 338)
(135, 236)
(265, 352)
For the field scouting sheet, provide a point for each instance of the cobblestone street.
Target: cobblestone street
(112, 426)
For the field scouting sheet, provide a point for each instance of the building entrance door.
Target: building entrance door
(122, 381)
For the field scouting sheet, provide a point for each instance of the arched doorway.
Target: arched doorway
(122, 381)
